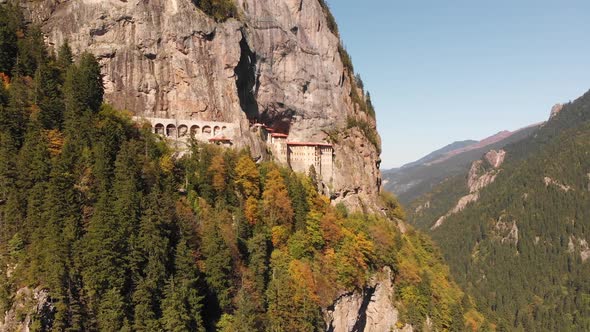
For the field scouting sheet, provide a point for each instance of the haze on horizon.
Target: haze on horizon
(440, 72)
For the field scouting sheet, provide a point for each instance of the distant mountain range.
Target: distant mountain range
(416, 178)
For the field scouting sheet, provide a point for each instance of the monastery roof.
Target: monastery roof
(279, 135)
(309, 144)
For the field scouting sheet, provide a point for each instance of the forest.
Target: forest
(521, 250)
(123, 233)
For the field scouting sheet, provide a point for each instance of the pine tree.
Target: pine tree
(218, 263)
(48, 95)
(31, 52)
(11, 21)
(181, 306)
(59, 235)
(65, 57)
(259, 248)
(151, 257)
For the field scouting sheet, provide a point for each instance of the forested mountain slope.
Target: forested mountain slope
(521, 248)
(105, 227)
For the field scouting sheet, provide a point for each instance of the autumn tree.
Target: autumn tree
(276, 202)
(247, 177)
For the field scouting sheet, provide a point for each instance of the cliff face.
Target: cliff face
(369, 310)
(278, 64)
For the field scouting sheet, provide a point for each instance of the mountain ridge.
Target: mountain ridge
(416, 179)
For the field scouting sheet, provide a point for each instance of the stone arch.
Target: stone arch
(223, 129)
(159, 129)
(207, 130)
(195, 131)
(171, 130)
(216, 130)
(182, 130)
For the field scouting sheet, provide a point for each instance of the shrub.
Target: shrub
(220, 10)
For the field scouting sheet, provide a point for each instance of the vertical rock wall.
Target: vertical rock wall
(277, 63)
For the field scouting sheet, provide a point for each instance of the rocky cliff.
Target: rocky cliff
(367, 310)
(279, 62)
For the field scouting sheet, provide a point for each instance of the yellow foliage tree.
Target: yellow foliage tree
(251, 210)
(247, 176)
(276, 201)
(218, 173)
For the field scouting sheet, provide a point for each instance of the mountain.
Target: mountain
(515, 229)
(275, 62)
(435, 155)
(417, 178)
(112, 222)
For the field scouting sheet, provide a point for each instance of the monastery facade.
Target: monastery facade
(300, 156)
(221, 133)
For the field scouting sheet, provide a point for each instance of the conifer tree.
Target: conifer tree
(151, 257)
(181, 306)
(65, 57)
(11, 22)
(31, 52)
(218, 262)
(48, 95)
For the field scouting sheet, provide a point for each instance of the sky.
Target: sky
(445, 71)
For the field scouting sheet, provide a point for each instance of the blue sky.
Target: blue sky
(442, 71)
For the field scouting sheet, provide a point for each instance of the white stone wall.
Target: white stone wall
(327, 163)
(301, 157)
(279, 149)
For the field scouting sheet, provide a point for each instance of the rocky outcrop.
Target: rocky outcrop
(552, 182)
(506, 231)
(482, 173)
(579, 245)
(369, 310)
(278, 64)
(495, 158)
(555, 110)
(480, 176)
(28, 305)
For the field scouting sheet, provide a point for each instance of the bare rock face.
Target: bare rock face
(277, 64)
(27, 302)
(555, 110)
(579, 245)
(495, 158)
(506, 230)
(480, 176)
(552, 182)
(369, 310)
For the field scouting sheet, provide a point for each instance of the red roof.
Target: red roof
(309, 144)
(280, 135)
